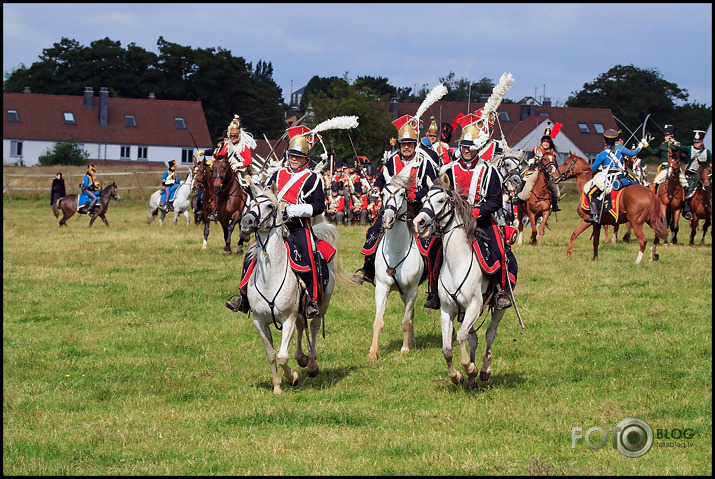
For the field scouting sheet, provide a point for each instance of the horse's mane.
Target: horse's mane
(462, 207)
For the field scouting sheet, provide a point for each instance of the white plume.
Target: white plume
(437, 92)
(498, 93)
(337, 122)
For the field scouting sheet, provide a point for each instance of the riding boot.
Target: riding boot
(686, 211)
(595, 210)
(311, 309)
(432, 301)
(367, 272)
(555, 205)
(170, 206)
(503, 300)
(240, 305)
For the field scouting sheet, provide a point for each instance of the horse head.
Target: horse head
(222, 174)
(673, 163)
(394, 199)
(547, 165)
(705, 173)
(571, 168)
(113, 191)
(264, 207)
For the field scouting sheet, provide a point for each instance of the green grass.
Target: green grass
(119, 358)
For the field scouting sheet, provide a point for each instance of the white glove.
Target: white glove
(643, 143)
(256, 180)
(676, 142)
(301, 211)
(200, 153)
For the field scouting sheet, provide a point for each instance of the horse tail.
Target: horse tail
(654, 214)
(56, 207)
(329, 232)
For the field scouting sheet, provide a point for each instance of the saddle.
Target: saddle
(610, 201)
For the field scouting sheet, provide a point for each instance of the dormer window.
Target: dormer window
(130, 121)
(12, 116)
(583, 127)
(179, 123)
(69, 118)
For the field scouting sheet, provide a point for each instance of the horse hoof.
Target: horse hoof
(295, 380)
(372, 357)
(312, 372)
(484, 376)
(227, 253)
(656, 257)
(302, 361)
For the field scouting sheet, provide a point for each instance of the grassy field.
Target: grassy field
(119, 358)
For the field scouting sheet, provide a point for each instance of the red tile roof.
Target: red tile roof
(41, 119)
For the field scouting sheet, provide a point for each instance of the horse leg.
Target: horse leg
(445, 320)
(544, 218)
(706, 225)
(471, 314)
(408, 325)
(226, 238)
(486, 373)
(381, 293)
(627, 235)
(675, 219)
(596, 238)
(282, 357)
(642, 241)
(312, 370)
(91, 221)
(188, 218)
(162, 215)
(264, 331)
(579, 229)
(206, 234)
(607, 238)
(534, 231)
(693, 230)
(104, 218)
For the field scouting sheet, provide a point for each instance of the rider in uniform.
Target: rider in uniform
(546, 147)
(421, 164)
(475, 176)
(302, 189)
(170, 181)
(663, 152)
(610, 174)
(695, 155)
(89, 198)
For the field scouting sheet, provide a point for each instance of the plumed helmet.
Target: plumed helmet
(547, 137)
(235, 126)
(668, 130)
(699, 135)
(473, 132)
(172, 163)
(91, 169)
(406, 129)
(301, 140)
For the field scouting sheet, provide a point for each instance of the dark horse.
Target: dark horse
(539, 201)
(232, 199)
(203, 180)
(701, 203)
(671, 195)
(68, 205)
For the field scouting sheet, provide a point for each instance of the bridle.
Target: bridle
(391, 204)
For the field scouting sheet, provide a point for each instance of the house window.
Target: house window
(12, 116)
(504, 117)
(543, 113)
(69, 118)
(179, 123)
(130, 121)
(142, 152)
(583, 127)
(598, 128)
(187, 156)
(15, 148)
(125, 152)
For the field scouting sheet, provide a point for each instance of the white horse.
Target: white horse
(398, 263)
(462, 285)
(181, 203)
(274, 291)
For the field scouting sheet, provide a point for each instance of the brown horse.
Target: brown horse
(232, 199)
(539, 202)
(671, 195)
(203, 179)
(701, 204)
(579, 169)
(68, 205)
(637, 205)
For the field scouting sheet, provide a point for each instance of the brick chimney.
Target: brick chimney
(88, 97)
(151, 96)
(27, 90)
(103, 106)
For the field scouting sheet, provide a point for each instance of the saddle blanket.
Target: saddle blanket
(610, 202)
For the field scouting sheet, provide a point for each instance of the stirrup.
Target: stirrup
(503, 300)
(239, 306)
(311, 309)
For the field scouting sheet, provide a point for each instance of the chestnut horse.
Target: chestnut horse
(671, 195)
(68, 205)
(701, 204)
(579, 169)
(232, 199)
(539, 202)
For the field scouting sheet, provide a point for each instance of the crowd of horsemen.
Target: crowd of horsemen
(351, 193)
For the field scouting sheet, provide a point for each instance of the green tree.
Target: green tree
(632, 93)
(64, 153)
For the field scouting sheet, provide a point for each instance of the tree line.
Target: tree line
(226, 84)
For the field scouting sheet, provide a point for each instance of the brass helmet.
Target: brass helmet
(235, 126)
(433, 127)
(301, 140)
(90, 169)
(406, 129)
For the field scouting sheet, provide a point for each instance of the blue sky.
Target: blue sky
(551, 49)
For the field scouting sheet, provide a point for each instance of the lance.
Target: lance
(356, 159)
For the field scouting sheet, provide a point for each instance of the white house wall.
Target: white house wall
(562, 143)
(32, 150)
